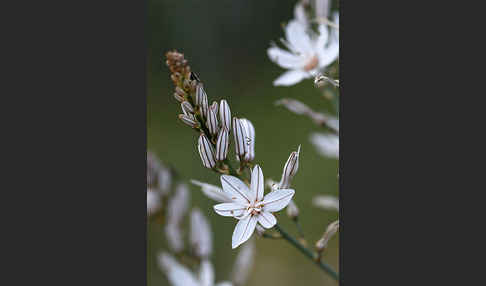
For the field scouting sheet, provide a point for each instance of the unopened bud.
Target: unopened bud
(250, 139)
(290, 169)
(214, 107)
(240, 137)
(292, 210)
(225, 114)
(187, 108)
(178, 97)
(180, 92)
(201, 99)
(206, 151)
(259, 230)
(331, 230)
(222, 144)
(212, 122)
(189, 120)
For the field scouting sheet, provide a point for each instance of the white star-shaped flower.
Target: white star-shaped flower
(179, 275)
(249, 205)
(308, 53)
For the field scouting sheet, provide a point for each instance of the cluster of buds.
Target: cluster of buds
(213, 122)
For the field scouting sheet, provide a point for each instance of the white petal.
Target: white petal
(299, 13)
(224, 283)
(277, 200)
(229, 209)
(323, 37)
(201, 235)
(206, 273)
(285, 59)
(243, 231)
(326, 202)
(153, 201)
(213, 192)
(177, 274)
(236, 189)
(243, 263)
(326, 144)
(291, 77)
(257, 183)
(178, 204)
(266, 219)
(299, 40)
(173, 234)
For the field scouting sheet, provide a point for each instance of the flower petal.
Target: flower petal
(177, 274)
(224, 283)
(284, 59)
(266, 219)
(277, 200)
(326, 144)
(323, 37)
(213, 192)
(291, 77)
(201, 236)
(243, 231)
(206, 273)
(257, 183)
(236, 189)
(229, 209)
(299, 40)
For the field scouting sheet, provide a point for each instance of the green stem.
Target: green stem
(307, 253)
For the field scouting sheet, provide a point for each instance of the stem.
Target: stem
(325, 267)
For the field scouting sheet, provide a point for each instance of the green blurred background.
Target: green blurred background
(225, 43)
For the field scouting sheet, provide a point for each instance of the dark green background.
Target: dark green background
(225, 43)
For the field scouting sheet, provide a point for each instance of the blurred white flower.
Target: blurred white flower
(153, 201)
(179, 275)
(201, 235)
(308, 53)
(326, 202)
(176, 209)
(243, 263)
(249, 205)
(213, 192)
(326, 144)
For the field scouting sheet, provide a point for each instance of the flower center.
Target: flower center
(255, 209)
(313, 62)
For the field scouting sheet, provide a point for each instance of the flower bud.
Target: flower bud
(206, 151)
(240, 137)
(189, 120)
(290, 169)
(292, 210)
(178, 97)
(222, 144)
(212, 122)
(180, 92)
(187, 108)
(201, 99)
(225, 114)
(259, 230)
(250, 140)
(331, 230)
(214, 107)
(201, 235)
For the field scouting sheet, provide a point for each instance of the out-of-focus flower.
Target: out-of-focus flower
(179, 275)
(176, 209)
(300, 108)
(222, 144)
(331, 230)
(213, 192)
(249, 205)
(250, 133)
(153, 201)
(307, 54)
(321, 7)
(164, 180)
(326, 144)
(243, 264)
(290, 169)
(292, 210)
(326, 202)
(206, 151)
(201, 235)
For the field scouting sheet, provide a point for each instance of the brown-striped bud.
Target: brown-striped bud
(222, 144)
(225, 114)
(180, 92)
(206, 151)
(250, 140)
(189, 120)
(187, 108)
(240, 137)
(202, 99)
(212, 122)
(290, 169)
(178, 97)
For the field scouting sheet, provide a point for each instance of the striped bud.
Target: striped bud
(187, 108)
(206, 151)
(212, 122)
(180, 92)
(222, 144)
(225, 114)
(290, 169)
(214, 107)
(250, 140)
(201, 99)
(178, 97)
(240, 137)
(189, 120)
